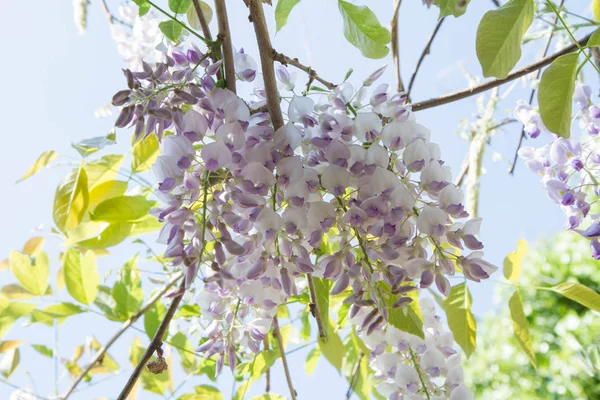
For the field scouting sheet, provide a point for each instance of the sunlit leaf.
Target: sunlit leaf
(171, 30)
(269, 396)
(107, 364)
(322, 289)
(311, 361)
(9, 362)
(282, 12)
(513, 262)
(579, 293)
(122, 209)
(106, 302)
(363, 30)
(11, 312)
(185, 350)
(188, 311)
(145, 153)
(596, 9)
(9, 345)
(71, 200)
(192, 15)
(408, 319)
(112, 235)
(106, 190)
(452, 7)
(152, 319)
(145, 225)
(56, 311)
(14, 291)
(332, 348)
(460, 318)
(520, 326)
(43, 160)
(499, 37)
(180, 6)
(555, 94)
(81, 276)
(31, 272)
(129, 299)
(144, 7)
(33, 246)
(103, 169)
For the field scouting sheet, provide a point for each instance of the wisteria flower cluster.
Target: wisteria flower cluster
(569, 169)
(249, 208)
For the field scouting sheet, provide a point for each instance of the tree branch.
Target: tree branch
(202, 19)
(286, 369)
(425, 52)
(257, 17)
(472, 91)
(532, 94)
(225, 38)
(314, 306)
(285, 60)
(396, 43)
(100, 354)
(268, 372)
(155, 344)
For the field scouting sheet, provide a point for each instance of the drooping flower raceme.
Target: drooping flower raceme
(569, 170)
(250, 211)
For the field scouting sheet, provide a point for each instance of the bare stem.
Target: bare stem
(531, 96)
(354, 378)
(109, 15)
(225, 39)
(268, 372)
(472, 91)
(202, 19)
(425, 52)
(154, 345)
(257, 17)
(286, 369)
(314, 306)
(396, 43)
(285, 60)
(100, 354)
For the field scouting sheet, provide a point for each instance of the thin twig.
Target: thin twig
(154, 345)
(465, 166)
(496, 3)
(100, 354)
(418, 369)
(257, 17)
(225, 39)
(277, 335)
(37, 397)
(472, 91)
(396, 43)
(425, 52)
(285, 60)
(184, 26)
(268, 372)
(531, 96)
(111, 18)
(354, 378)
(314, 306)
(202, 19)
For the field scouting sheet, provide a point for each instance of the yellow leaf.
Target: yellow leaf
(596, 9)
(71, 200)
(579, 293)
(32, 273)
(104, 169)
(145, 153)
(106, 190)
(46, 158)
(9, 345)
(15, 291)
(513, 262)
(520, 326)
(33, 245)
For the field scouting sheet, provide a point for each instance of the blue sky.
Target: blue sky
(55, 79)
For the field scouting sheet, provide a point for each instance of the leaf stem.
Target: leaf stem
(286, 369)
(413, 357)
(314, 306)
(184, 26)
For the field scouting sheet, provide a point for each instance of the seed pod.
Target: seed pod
(158, 366)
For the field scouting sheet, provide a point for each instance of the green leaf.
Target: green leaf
(520, 326)
(188, 311)
(513, 263)
(43, 160)
(71, 200)
(112, 235)
(153, 318)
(145, 153)
(107, 304)
(257, 368)
(43, 350)
(185, 351)
(269, 396)
(129, 299)
(210, 392)
(81, 276)
(31, 272)
(579, 293)
(171, 30)
(499, 37)
(144, 7)
(103, 169)
(11, 312)
(56, 311)
(122, 209)
(452, 7)
(90, 146)
(9, 362)
(282, 12)
(332, 348)
(14, 291)
(363, 30)
(594, 40)
(311, 361)
(322, 289)
(358, 375)
(192, 15)
(555, 94)
(153, 383)
(460, 318)
(9, 345)
(408, 319)
(145, 225)
(180, 6)
(596, 9)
